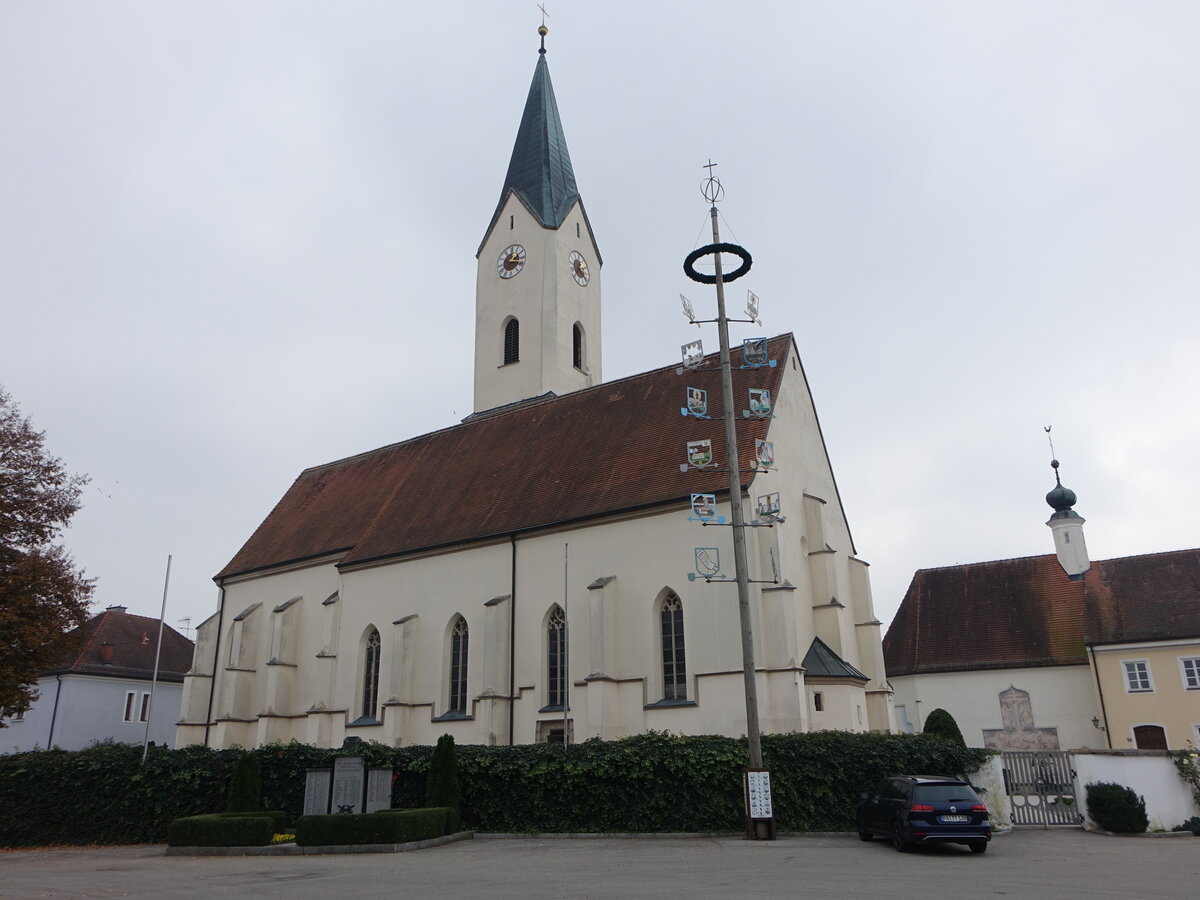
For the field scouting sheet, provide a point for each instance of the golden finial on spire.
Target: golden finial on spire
(542, 29)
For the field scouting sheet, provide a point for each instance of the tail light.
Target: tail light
(920, 807)
(979, 807)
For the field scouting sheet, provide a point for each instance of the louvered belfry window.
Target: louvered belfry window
(673, 661)
(458, 667)
(512, 341)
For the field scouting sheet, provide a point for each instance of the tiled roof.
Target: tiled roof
(1024, 612)
(608, 449)
(133, 640)
(821, 662)
(539, 170)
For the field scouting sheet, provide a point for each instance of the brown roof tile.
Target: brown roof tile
(1024, 612)
(607, 449)
(133, 640)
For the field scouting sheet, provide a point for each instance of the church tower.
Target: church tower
(537, 291)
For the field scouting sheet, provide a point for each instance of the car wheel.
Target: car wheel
(864, 833)
(898, 840)
(978, 846)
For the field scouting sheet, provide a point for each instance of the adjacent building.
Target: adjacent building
(101, 690)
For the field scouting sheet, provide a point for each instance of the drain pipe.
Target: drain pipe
(1100, 691)
(54, 715)
(512, 639)
(212, 681)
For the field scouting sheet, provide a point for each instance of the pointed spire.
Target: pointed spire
(540, 169)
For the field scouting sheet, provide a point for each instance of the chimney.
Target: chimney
(116, 609)
(106, 653)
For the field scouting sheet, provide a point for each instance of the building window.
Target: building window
(144, 712)
(577, 347)
(458, 667)
(130, 699)
(1191, 672)
(818, 701)
(370, 695)
(1137, 676)
(512, 342)
(556, 658)
(673, 662)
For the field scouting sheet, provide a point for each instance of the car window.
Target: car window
(945, 793)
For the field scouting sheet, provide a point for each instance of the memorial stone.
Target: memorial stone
(316, 791)
(348, 784)
(379, 789)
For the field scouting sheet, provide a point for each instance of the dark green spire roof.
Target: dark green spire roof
(540, 168)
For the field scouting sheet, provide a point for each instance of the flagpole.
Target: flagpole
(566, 670)
(157, 656)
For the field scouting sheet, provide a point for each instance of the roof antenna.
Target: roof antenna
(542, 29)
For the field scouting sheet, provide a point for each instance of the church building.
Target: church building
(534, 572)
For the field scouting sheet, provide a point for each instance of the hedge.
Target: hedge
(396, 826)
(647, 783)
(221, 831)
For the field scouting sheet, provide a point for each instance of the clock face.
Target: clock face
(579, 267)
(511, 261)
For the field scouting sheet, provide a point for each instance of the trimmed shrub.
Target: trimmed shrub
(1192, 825)
(245, 787)
(442, 787)
(389, 826)
(940, 723)
(219, 830)
(1116, 808)
(277, 816)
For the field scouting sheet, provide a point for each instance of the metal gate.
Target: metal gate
(1041, 787)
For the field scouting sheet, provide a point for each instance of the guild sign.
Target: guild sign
(708, 562)
(760, 402)
(699, 454)
(752, 307)
(687, 308)
(754, 352)
(693, 354)
(769, 508)
(704, 506)
(697, 403)
(764, 454)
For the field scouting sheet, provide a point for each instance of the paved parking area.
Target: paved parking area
(1025, 864)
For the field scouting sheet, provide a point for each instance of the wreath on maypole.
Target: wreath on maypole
(689, 264)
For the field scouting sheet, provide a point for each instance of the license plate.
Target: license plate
(951, 820)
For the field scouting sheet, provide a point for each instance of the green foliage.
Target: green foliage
(442, 787)
(245, 787)
(278, 817)
(1116, 808)
(393, 826)
(219, 830)
(940, 723)
(1192, 825)
(653, 782)
(1187, 764)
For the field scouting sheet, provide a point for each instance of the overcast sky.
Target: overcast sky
(237, 239)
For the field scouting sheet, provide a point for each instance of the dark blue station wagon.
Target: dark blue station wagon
(924, 809)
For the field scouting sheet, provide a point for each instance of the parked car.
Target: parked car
(924, 809)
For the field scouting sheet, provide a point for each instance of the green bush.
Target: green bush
(219, 830)
(277, 816)
(391, 826)
(940, 723)
(245, 787)
(442, 787)
(1192, 825)
(1116, 808)
(651, 782)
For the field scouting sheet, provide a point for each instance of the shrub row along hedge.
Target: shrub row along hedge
(219, 830)
(394, 826)
(651, 782)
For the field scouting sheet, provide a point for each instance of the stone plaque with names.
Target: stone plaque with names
(316, 791)
(379, 789)
(347, 784)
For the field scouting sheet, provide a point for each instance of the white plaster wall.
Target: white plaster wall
(1061, 697)
(1150, 773)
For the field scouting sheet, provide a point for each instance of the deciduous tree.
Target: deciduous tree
(42, 594)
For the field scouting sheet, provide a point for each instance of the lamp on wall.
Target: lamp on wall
(1096, 723)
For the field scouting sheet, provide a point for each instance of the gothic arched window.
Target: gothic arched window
(370, 694)
(512, 342)
(556, 657)
(674, 665)
(458, 666)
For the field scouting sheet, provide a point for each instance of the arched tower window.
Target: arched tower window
(458, 666)
(370, 694)
(512, 341)
(577, 346)
(556, 657)
(674, 665)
